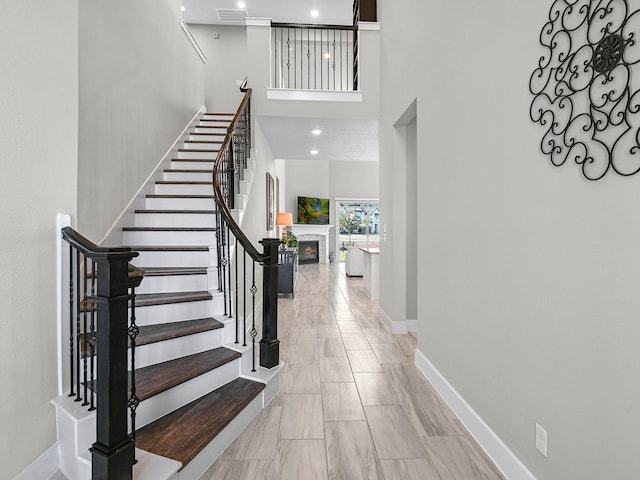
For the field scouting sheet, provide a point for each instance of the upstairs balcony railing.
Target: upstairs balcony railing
(315, 57)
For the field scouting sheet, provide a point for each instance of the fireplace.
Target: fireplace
(309, 251)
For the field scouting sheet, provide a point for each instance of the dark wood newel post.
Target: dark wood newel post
(112, 455)
(269, 344)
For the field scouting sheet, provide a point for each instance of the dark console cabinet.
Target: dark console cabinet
(287, 271)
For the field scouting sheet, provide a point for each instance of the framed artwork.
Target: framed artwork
(271, 202)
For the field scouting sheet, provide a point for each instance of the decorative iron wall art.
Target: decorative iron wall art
(583, 86)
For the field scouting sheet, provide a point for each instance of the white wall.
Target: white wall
(330, 179)
(226, 63)
(38, 138)
(141, 82)
(527, 273)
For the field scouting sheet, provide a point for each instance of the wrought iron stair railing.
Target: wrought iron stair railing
(102, 287)
(237, 256)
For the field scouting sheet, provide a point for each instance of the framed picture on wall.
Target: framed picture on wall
(271, 202)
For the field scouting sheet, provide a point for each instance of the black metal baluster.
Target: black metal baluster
(295, 59)
(236, 292)
(77, 336)
(308, 59)
(134, 401)
(244, 298)
(321, 75)
(253, 332)
(341, 63)
(218, 247)
(229, 271)
(288, 59)
(328, 61)
(224, 268)
(85, 335)
(92, 337)
(71, 304)
(333, 60)
(315, 60)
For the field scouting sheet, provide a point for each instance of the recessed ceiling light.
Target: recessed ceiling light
(183, 8)
(314, 13)
(314, 152)
(327, 55)
(241, 5)
(316, 131)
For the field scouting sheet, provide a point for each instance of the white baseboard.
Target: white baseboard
(412, 325)
(510, 466)
(113, 237)
(44, 466)
(401, 327)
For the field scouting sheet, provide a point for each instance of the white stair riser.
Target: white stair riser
(186, 155)
(175, 220)
(244, 187)
(175, 259)
(188, 176)
(177, 347)
(216, 130)
(214, 147)
(203, 137)
(214, 122)
(173, 312)
(240, 201)
(186, 164)
(174, 398)
(172, 283)
(184, 189)
(75, 436)
(168, 238)
(180, 203)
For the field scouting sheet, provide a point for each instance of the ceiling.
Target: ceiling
(341, 138)
(330, 12)
(290, 138)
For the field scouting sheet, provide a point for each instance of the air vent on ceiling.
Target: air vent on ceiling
(232, 15)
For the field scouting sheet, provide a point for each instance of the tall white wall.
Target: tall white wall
(226, 63)
(330, 179)
(527, 273)
(38, 153)
(141, 82)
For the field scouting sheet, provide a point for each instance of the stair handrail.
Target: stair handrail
(229, 167)
(217, 190)
(102, 286)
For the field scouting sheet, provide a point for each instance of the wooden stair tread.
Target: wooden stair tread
(197, 150)
(202, 160)
(215, 134)
(149, 299)
(167, 331)
(204, 141)
(204, 212)
(218, 113)
(169, 229)
(186, 170)
(182, 434)
(168, 271)
(160, 377)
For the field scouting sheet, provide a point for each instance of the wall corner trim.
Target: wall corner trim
(510, 466)
(394, 327)
(45, 466)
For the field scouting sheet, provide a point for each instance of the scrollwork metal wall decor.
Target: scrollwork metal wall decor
(583, 90)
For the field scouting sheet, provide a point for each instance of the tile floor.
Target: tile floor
(352, 405)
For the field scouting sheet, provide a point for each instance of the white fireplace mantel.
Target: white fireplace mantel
(315, 230)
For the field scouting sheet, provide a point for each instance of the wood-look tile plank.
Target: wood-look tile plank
(374, 389)
(328, 331)
(392, 433)
(363, 361)
(304, 336)
(355, 341)
(335, 369)
(406, 378)
(241, 470)
(388, 353)
(406, 342)
(301, 417)
(452, 461)
(301, 354)
(378, 335)
(341, 403)
(480, 461)
(301, 459)
(350, 452)
(349, 327)
(331, 347)
(302, 379)
(256, 441)
(409, 469)
(429, 415)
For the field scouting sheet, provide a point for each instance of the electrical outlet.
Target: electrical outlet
(541, 440)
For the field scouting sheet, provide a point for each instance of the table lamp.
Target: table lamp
(285, 219)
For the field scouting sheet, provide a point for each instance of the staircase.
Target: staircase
(194, 384)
